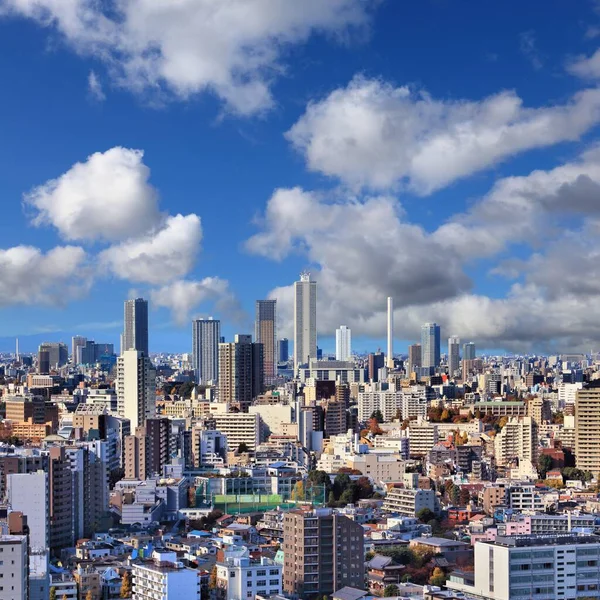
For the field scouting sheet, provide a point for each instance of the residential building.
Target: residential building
(323, 552)
(332, 370)
(587, 430)
(209, 448)
(164, 576)
(136, 388)
(469, 351)
(376, 362)
(422, 436)
(517, 439)
(408, 501)
(14, 567)
(61, 525)
(305, 320)
(206, 336)
(388, 402)
(239, 428)
(414, 358)
(343, 343)
(265, 333)
(135, 332)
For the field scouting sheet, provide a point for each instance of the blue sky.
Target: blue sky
(376, 143)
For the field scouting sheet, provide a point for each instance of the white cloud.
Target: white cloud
(29, 276)
(586, 67)
(107, 197)
(363, 251)
(529, 49)
(183, 298)
(232, 48)
(162, 255)
(95, 87)
(379, 136)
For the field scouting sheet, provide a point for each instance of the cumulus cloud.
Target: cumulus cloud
(586, 67)
(363, 250)
(372, 134)
(184, 298)
(107, 197)
(162, 255)
(232, 48)
(29, 276)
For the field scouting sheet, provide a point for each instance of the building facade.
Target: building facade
(305, 320)
(135, 330)
(206, 336)
(136, 388)
(265, 333)
(343, 343)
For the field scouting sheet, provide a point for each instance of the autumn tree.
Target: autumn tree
(88, 596)
(298, 493)
(212, 580)
(126, 585)
(438, 577)
(52, 593)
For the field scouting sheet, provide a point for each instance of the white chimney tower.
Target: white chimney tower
(390, 333)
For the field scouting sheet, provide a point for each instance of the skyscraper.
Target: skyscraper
(206, 335)
(305, 320)
(453, 354)
(77, 341)
(430, 345)
(390, 332)
(136, 388)
(265, 333)
(376, 362)
(241, 372)
(283, 350)
(414, 357)
(587, 430)
(343, 343)
(135, 331)
(469, 351)
(58, 353)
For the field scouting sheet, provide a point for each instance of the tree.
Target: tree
(212, 580)
(340, 484)
(374, 428)
(64, 597)
(425, 515)
(502, 422)
(438, 577)
(544, 465)
(88, 596)
(243, 447)
(331, 499)
(126, 585)
(390, 591)
(52, 593)
(378, 416)
(445, 416)
(298, 493)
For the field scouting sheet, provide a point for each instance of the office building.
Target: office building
(305, 320)
(91, 352)
(333, 370)
(206, 335)
(376, 362)
(469, 351)
(430, 346)
(527, 566)
(241, 372)
(587, 430)
(283, 350)
(77, 342)
(136, 388)
(135, 332)
(14, 568)
(323, 552)
(414, 358)
(58, 354)
(164, 576)
(453, 355)
(43, 363)
(343, 343)
(28, 493)
(265, 333)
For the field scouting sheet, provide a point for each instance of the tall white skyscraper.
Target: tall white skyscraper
(305, 320)
(135, 326)
(453, 354)
(136, 388)
(430, 345)
(343, 343)
(390, 332)
(206, 335)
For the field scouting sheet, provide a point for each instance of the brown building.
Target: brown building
(323, 552)
(148, 450)
(587, 430)
(26, 408)
(376, 362)
(60, 481)
(265, 333)
(135, 455)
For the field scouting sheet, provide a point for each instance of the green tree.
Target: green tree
(544, 464)
(425, 515)
(243, 447)
(390, 591)
(52, 593)
(126, 585)
(331, 500)
(340, 484)
(377, 415)
(298, 493)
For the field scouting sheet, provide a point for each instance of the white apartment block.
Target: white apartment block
(408, 501)
(422, 436)
(136, 388)
(241, 578)
(543, 567)
(379, 467)
(13, 567)
(516, 439)
(239, 428)
(164, 578)
(415, 401)
(388, 402)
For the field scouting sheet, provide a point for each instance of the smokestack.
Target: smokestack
(17, 351)
(390, 333)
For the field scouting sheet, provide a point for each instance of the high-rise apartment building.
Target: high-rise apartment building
(469, 351)
(77, 341)
(14, 568)
(135, 331)
(283, 350)
(305, 320)
(61, 499)
(587, 430)
(265, 333)
(518, 438)
(58, 353)
(136, 388)
(343, 343)
(206, 335)
(414, 357)
(323, 552)
(430, 346)
(241, 372)
(453, 354)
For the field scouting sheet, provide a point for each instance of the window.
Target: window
(273, 582)
(261, 573)
(261, 583)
